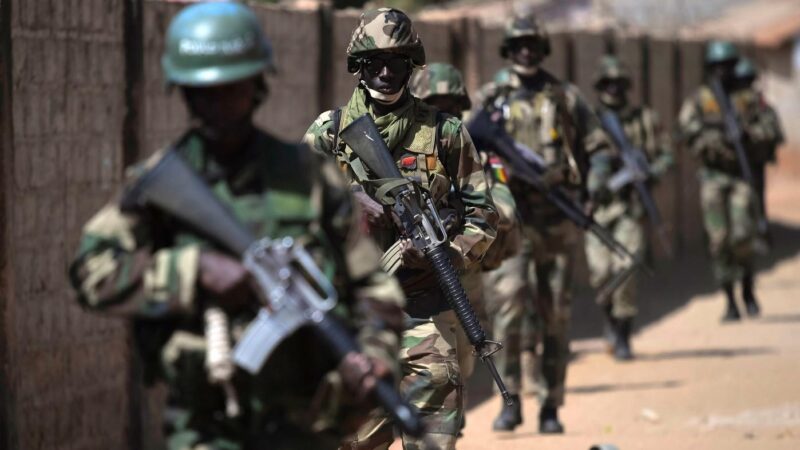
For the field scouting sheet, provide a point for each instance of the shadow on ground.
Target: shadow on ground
(673, 285)
(676, 282)
(600, 388)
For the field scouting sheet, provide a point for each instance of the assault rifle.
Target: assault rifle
(527, 166)
(295, 291)
(419, 221)
(635, 172)
(733, 133)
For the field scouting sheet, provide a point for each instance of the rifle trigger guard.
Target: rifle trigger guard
(489, 348)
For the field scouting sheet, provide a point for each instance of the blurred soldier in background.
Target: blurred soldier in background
(622, 212)
(433, 149)
(137, 262)
(758, 111)
(442, 86)
(730, 204)
(550, 117)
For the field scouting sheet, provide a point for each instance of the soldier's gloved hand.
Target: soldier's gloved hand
(360, 373)
(411, 256)
(226, 278)
(373, 210)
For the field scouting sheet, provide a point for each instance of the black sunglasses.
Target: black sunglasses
(394, 63)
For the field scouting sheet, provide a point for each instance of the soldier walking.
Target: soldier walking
(730, 204)
(551, 118)
(622, 212)
(175, 284)
(434, 150)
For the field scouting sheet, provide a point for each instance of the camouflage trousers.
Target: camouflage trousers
(538, 279)
(729, 216)
(604, 264)
(432, 382)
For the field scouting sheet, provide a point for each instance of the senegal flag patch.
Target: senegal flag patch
(498, 169)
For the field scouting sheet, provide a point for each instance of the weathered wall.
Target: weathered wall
(65, 371)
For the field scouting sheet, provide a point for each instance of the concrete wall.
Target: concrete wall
(81, 94)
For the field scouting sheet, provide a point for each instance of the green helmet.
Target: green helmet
(720, 52)
(745, 70)
(215, 43)
(525, 25)
(384, 30)
(440, 79)
(611, 68)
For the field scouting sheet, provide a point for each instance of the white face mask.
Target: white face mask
(386, 99)
(524, 70)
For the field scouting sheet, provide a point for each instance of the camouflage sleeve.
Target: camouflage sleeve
(378, 298)
(594, 142)
(469, 181)
(764, 131)
(690, 126)
(118, 270)
(659, 144)
(319, 135)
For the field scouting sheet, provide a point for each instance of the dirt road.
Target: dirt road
(697, 384)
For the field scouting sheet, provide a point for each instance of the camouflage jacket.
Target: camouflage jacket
(702, 127)
(450, 169)
(643, 130)
(139, 263)
(552, 119)
(507, 242)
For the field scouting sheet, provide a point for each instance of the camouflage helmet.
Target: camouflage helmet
(720, 52)
(745, 69)
(215, 43)
(440, 79)
(524, 25)
(611, 68)
(384, 30)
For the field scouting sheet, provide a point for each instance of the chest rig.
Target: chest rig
(419, 156)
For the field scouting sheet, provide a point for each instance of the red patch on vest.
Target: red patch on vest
(408, 162)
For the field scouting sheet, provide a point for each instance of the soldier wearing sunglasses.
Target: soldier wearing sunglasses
(433, 149)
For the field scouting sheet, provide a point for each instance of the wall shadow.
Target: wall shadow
(609, 387)
(676, 282)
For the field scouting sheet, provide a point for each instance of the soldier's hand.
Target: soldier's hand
(226, 278)
(412, 257)
(361, 373)
(371, 209)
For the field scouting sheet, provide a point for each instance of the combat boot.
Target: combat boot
(510, 416)
(610, 329)
(548, 421)
(750, 301)
(732, 312)
(622, 346)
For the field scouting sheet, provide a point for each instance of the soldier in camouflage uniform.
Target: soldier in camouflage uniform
(435, 150)
(138, 262)
(442, 86)
(758, 110)
(622, 212)
(730, 209)
(550, 117)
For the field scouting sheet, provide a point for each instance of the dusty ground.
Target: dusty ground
(697, 384)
